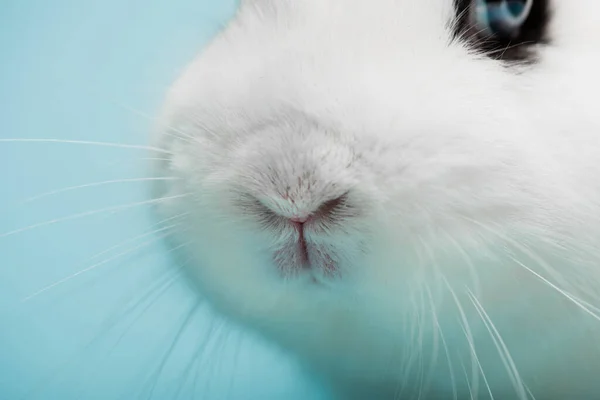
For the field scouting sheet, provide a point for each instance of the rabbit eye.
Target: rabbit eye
(507, 30)
(501, 18)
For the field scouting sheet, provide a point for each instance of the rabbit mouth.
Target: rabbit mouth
(301, 256)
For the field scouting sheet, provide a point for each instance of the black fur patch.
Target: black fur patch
(534, 32)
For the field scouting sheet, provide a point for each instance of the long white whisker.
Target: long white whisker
(129, 161)
(154, 378)
(550, 270)
(157, 120)
(195, 358)
(163, 286)
(529, 392)
(435, 351)
(579, 303)
(450, 367)
(466, 374)
(93, 184)
(427, 289)
(468, 261)
(92, 267)
(106, 327)
(475, 363)
(86, 142)
(220, 339)
(573, 299)
(162, 289)
(143, 235)
(236, 357)
(420, 339)
(413, 350)
(501, 346)
(184, 136)
(154, 159)
(88, 213)
(412, 330)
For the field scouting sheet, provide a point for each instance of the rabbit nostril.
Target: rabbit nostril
(326, 211)
(273, 215)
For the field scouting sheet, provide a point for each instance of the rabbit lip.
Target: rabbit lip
(300, 255)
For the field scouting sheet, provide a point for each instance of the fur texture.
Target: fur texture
(463, 261)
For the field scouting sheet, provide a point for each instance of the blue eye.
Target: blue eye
(509, 30)
(501, 18)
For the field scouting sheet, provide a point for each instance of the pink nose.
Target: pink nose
(299, 220)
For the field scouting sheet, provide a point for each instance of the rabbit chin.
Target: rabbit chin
(411, 319)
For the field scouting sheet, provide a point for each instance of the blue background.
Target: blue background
(97, 71)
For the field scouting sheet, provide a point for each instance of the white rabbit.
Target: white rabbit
(402, 194)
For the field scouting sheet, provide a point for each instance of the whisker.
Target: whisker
(529, 392)
(154, 159)
(435, 322)
(157, 120)
(447, 351)
(129, 161)
(569, 296)
(507, 359)
(86, 142)
(220, 336)
(92, 267)
(579, 303)
(415, 327)
(93, 184)
(475, 363)
(158, 289)
(88, 213)
(158, 293)
(413, 351)
(468, 261)
(466, 374)
(106, 327)
(195, 358)
(435, 343)
(186, 321)
(133, 239)
(420, 322)
(236, 357)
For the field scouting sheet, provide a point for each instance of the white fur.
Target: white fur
(473, 184)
